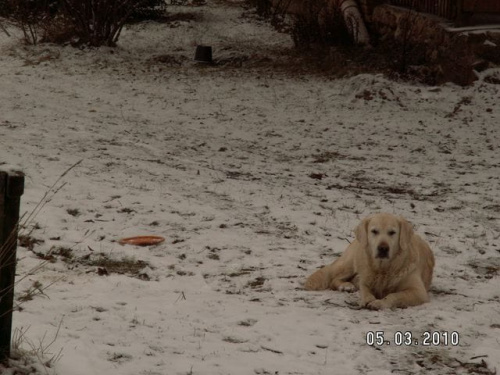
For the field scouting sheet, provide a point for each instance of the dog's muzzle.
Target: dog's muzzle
(383, 250)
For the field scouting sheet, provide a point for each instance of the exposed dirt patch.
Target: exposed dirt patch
(488, 267)
(440, 361)
(106, 265)
(28, 241)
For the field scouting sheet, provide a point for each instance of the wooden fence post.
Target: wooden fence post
(11, 189)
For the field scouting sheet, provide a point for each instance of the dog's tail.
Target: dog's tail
(319, 280)
(335, 275)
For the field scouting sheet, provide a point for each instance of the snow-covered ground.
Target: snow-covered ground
(255, 178)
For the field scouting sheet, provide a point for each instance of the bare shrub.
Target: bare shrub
(319, 24)
(263, 7)
(30, 16)
(59, 30)
(272, 10)
(456, 62)
(406, 35)
(90, 22)
(99, 23)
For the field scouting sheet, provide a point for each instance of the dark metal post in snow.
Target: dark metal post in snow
(11, 189)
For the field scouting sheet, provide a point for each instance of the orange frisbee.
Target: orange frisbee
(142, 240)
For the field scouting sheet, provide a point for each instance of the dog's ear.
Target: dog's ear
(361, 232)
(405, 233)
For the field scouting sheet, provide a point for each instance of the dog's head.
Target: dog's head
(384, 235)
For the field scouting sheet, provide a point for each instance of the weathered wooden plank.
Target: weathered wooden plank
(11, 189)
(442, 8)
(482, 6)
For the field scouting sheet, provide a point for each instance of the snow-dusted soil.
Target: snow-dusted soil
(255, 179)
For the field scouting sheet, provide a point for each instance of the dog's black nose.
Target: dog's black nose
(383, 251)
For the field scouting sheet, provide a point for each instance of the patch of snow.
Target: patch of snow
(219, 162)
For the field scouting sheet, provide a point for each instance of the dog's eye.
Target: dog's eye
(392, 232)
(375, 231)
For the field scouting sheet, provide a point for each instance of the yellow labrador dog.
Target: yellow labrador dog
(389, 264)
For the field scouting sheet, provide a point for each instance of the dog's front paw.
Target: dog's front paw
(378, 304)
(347, 287)
(366, 300)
